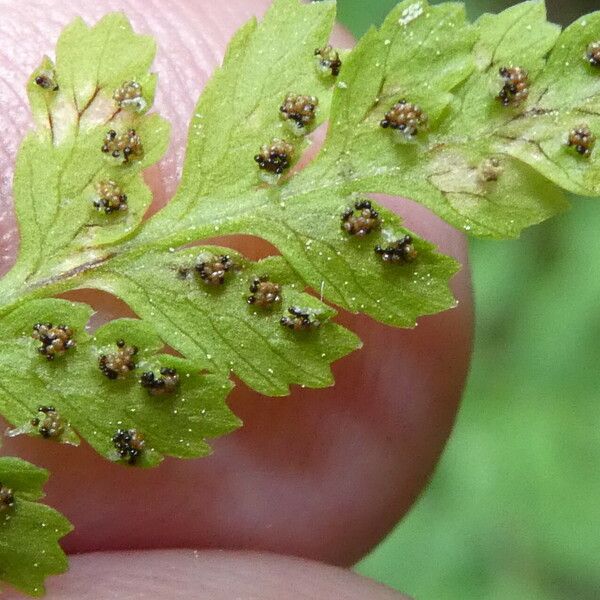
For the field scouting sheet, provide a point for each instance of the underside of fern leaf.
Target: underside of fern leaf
(486, 124)
(424, 107)
(29, 531)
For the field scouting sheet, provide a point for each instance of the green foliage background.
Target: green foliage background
(513, 511)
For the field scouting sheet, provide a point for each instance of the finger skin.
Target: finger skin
(216, 575)
(324, 474)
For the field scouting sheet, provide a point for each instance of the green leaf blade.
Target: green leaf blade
(346, 270)
(61, 163)
(29, 532)
(444, 168)
(216, 327)
(520, 31)
(265, 61)
(175, 424)
(565, 96)
(485, 168)
(101, 57)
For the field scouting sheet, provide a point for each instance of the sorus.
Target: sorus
(593, 54)
(405, 118)
(402, 251)
(120, 363)
(299, 112)
(125, 147)
(49, 423)
(129, 96)
(265, 293)
(212, 269)
(129, 444)
(55, 340)
(274, 158)
(490, 169)
(299, 319)
(516, 86)
(167, 383)
(582, 140)
(360, 220)
(7, 499)
(327, 61)
(47, 81)
(110, 197)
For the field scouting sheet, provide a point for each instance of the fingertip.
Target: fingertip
(324, 475)
(207, 575)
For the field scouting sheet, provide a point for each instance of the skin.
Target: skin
(322, 475)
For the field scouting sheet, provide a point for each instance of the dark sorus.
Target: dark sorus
(125, 147)
(47, 81)
(327, 60)
(212, 269)
(360, 219)
(7, 499)
(110, 197)
(56, 340)
(129, 444)
(48, 423)
(516, 86)
(167, 383)
(265, 293)
(490, 169)
(299, 112)
(582, 140)
(401, 251)
(275, 158)
(405, 118)
(299, 319)
(119, 364)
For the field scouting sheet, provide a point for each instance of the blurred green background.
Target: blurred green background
(513, 511)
